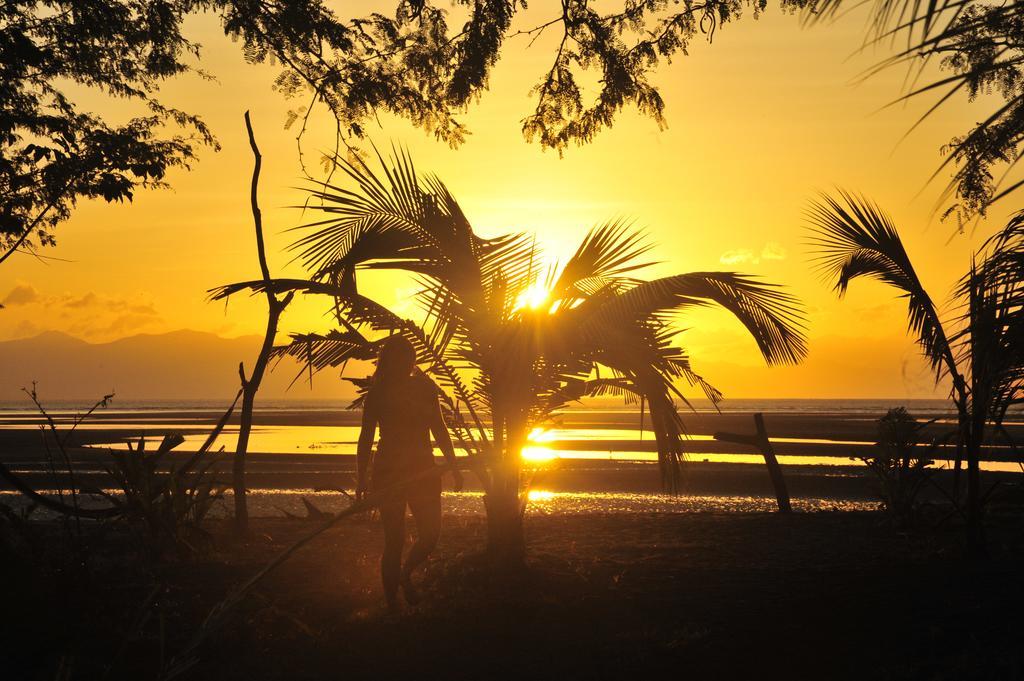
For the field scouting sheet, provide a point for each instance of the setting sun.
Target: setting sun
(538, 451)
(533, 298)
(537, 454)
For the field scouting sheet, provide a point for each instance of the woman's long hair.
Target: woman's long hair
(396, 361)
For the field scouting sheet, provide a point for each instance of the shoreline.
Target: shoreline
(593, 452)
(572, 483)
(824, 439)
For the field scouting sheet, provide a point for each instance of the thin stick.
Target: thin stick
(761, 442)
(251, 385)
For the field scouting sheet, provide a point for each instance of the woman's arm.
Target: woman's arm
(442, 437)
(365, 447)
(439, 430)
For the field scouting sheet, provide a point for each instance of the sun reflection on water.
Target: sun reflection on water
(269, 503)
(538, 451)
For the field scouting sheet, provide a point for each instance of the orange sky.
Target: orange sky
(758, 122)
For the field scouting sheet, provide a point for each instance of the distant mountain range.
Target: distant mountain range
(192, 365)
(179, 365)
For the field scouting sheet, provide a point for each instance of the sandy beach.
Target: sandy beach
(622, 580)
(651, 596)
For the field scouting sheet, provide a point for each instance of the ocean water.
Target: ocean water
(819, 433)
(868, 407)
(815, 432)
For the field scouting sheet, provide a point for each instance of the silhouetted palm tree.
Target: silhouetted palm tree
(507, 348)
(981, 351)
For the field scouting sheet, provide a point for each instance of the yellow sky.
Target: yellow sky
(758, 122)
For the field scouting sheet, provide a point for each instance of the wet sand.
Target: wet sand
(278, 480)
(803, 434)
(826, 437)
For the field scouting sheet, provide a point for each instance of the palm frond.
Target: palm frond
(317, 351)
(975, 42)
(990, 342)
(384, 219)
(889, 17)
(606, 253)
(852, 237)
(356, 309)
(771, 316)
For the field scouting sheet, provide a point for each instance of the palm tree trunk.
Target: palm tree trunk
(668, 457)
(506, 544)
(962, 427)
(975, 528)
(659, 439)
(505, 540)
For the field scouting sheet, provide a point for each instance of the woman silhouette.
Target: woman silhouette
(403, 403)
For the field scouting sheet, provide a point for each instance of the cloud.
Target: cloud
(773, 250)
(25, 329)
(87, 300)
(738, 256)
(90, 315)
(125, 324)
(142, 309)
(875, 313)
(93, 300)
(22, 294)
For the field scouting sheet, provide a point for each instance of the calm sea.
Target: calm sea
(807, 433)
(929, 407)
(802, 431)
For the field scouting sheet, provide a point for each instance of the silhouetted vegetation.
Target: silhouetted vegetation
(411, 63)
(979, 47)
(154, 510)
(902, 464)
(168, 503)
(423, 63)
(979, 350)
(508, 347)
(51, 151)
(164, 502)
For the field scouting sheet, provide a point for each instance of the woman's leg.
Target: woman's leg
(392, 515)
(426, 510)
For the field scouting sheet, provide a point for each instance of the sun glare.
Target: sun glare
(537, 451)
(533, 298)
(537, 454)
(540, 435)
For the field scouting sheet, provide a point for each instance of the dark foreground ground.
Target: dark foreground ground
(680, 596)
